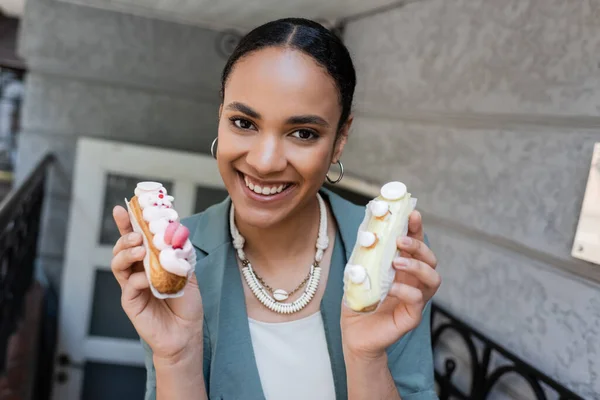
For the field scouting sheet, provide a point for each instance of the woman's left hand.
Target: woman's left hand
(416, 281)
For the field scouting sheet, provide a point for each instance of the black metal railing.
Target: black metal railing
(20, 214)
(483, 375)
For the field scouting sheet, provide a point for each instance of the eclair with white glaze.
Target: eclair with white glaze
(170, 257)
(369, 273)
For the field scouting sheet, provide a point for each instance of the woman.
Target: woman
(284, 119)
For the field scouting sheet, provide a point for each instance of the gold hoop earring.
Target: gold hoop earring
(339, 178)
(212, 148)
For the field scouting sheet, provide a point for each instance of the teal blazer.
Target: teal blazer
(229, 366)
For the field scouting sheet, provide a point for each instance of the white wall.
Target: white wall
(489, 111)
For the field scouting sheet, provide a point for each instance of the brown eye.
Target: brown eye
(242, 123)
(304, 134)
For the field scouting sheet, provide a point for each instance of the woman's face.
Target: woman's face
(277, 133)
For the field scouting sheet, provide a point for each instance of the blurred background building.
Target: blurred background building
(488, 110)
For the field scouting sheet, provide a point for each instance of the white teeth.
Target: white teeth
(264, 190)
(248, 183)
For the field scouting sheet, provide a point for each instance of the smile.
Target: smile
(265, 188)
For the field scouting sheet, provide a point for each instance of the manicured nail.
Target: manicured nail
(406, 241)
(401, 262)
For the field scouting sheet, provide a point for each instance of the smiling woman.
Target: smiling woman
(268, 320)
(278, 126)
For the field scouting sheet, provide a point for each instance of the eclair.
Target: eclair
(369, 273)
(170, 256)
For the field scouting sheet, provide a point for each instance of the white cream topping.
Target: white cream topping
(379, 208)
(366, 238)
(177, 259)
(148, 199)
(174, 261)
(158, 225)
(159, 217)
(157, 210)
(159, 240)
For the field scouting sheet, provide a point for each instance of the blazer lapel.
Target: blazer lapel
(348, 217)
(234, 354)
(233, 371)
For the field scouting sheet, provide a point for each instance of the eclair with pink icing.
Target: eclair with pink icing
(170, 256)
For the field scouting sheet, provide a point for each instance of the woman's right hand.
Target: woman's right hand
(171, 327)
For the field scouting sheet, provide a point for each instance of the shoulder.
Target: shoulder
(348, 216)
(209, 231)
(210, 227)
(349, 213)
(191, 222)
(350, 203)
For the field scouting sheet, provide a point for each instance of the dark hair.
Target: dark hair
(309, 37)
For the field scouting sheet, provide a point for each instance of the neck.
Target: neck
(291, 239)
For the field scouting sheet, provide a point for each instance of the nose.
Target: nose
(267, 155)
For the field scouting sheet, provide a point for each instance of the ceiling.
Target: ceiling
(238, 14)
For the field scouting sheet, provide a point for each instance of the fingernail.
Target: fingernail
(401, 262)
(406, 241)
(138, 251)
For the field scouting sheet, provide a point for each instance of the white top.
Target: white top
(292, 359)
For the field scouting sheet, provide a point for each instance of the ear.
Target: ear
(220, 110)
(342, 138)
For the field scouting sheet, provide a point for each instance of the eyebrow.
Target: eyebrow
(295, 120)
(307, 119)
(241, 107)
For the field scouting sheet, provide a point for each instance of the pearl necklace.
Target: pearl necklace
(274, 302)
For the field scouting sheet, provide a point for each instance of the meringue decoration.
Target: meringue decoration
(170, 231)
(367, 239)
(143, 187)
(379, 208)
(356, 273)
(393, 190)
(180, 237)
(176, 235)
